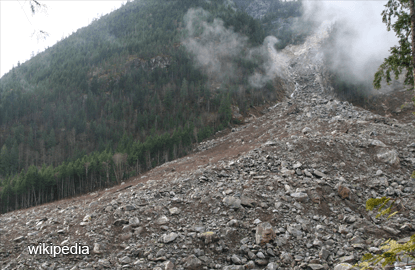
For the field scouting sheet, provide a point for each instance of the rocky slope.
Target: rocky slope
(286, 190)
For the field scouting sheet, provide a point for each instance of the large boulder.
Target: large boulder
(264, 233)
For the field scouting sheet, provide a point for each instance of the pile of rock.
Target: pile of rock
(296, 200)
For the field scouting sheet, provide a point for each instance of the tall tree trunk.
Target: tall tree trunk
(137, 168)
(412, 13)
(34, 195)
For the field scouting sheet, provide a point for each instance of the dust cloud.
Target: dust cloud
(215, 48)
(361, 42)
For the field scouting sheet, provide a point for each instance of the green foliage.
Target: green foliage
(397, 17)
(225, 111)
(184, 89)
(393, 251)
(382, 203)
(102, 91)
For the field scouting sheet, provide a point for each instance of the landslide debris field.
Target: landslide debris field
(285, 190)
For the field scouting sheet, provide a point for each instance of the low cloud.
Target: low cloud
(361, 42)
(215, 48)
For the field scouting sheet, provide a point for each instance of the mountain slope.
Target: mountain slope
(287, 190)
(119, 97)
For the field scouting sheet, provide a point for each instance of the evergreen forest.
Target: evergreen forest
(121, 96)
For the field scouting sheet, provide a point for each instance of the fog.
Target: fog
(215, 47)
(212, 45)
(359, 47)
(362, 41)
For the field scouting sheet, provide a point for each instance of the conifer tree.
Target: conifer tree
(184, 89)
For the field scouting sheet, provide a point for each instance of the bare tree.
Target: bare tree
(119, 160)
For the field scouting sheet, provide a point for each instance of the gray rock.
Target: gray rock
(391, 230)
(234, 267)
(104, 263)
(126, 236)
(233, 223)
(174, 211)
(272, 266)
(306, 130)
(134, 222)
(160, 253)
(260, 255)
(299, 196)
(127, 228)
(286, 257)
(261, 262)
(138, 230)
(92, 204)
(343, 266)
(192, 262)
(120, 222)
(209, 237)
(128, 207)
(317, 242)
(125, 260)
(19, 239)
(249, 265)
(324, 254)
(264, 233)
(232, 202)
(235, 259)
(167, 238)
(377, 143)
(389, 156)
(294, 231)
(162, 220)
(347, 259)
(97, 248)
(343, 229)
(168, 265)
(315, 266)
(319, 174)
(248, 202)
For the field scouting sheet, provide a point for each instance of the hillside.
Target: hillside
(286, 190)
(128, 93)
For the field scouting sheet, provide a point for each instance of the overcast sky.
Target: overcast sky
(60, 19)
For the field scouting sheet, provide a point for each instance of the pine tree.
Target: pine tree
(4, 161)
(184, 89)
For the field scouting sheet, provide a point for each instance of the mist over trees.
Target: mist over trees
(345, 83)
(115, 99)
